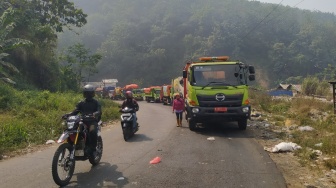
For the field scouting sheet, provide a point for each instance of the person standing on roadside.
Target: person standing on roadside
(178, 108)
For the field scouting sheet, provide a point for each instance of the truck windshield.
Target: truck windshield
(224, 75)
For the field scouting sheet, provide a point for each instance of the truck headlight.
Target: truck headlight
(195, 110)
(246, 109)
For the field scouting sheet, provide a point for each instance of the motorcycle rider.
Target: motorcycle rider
(130, 102)
(89, 106)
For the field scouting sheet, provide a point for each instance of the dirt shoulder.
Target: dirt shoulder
(295, 174)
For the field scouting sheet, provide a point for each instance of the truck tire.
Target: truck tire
(242, 124)
(192, 125)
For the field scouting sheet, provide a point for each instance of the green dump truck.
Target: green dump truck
(138, 94)
(216, 90)
(152, 94)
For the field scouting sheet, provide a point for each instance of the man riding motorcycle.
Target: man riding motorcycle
(130, 102)
(89, 106)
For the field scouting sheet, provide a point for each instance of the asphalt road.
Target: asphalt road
(188, 159)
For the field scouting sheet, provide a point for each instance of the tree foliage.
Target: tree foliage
(150, 39)
(79, 66)
(58, 13)
(38, 21)
(7, 25)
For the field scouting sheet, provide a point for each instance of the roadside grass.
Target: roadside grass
(32, 117)
(302, 111)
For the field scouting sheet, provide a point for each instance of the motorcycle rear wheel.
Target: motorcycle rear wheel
(63, 167)
(94, 160)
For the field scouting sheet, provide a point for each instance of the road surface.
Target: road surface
(188, 159)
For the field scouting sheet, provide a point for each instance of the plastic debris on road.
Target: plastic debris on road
(211, 138)
(306, 128)
(285, 146)
(50, 142)
(156, 160)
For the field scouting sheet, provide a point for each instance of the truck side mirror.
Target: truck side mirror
(185, 74)
(251, 69)
(252, 77)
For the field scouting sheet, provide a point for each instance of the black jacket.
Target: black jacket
(130, 103)
(88, 106)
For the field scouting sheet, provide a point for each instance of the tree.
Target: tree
(6, 27)
(79, 62)
(59, 13)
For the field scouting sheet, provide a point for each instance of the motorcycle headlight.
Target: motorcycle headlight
(70, 125)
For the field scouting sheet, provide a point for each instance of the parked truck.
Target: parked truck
(138, 94)
(153, 94)
(108, 92)
(216, 90)
(165, 97)
(147, 94)
(118, 94)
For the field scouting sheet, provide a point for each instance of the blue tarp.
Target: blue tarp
(281, 93)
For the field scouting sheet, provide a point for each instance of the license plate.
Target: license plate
(221, 109)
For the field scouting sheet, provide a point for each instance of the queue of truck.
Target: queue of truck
(215, 89)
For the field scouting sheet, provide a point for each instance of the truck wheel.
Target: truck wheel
(192, 125)
(242, 124)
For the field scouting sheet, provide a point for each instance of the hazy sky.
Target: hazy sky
(317, 5)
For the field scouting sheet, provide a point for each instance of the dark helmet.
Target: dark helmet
(129, 94)
(88, 91)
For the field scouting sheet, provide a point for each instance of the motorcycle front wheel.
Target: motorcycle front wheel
(94, 160)
(62, 167)
(126, 132)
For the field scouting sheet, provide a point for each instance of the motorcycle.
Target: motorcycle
(74, 148)
(127, 123)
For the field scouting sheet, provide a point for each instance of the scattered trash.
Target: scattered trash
(155, 160)
(120, 178)
(50, 142)
(255, 115)
(306, 128)
(211, 138)
(317, 152)
(285, 146)
(319, 145)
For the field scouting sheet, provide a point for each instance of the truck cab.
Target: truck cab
(152, 94)
(138, 94)
(216, 90)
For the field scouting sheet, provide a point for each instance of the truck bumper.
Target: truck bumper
(208, 114)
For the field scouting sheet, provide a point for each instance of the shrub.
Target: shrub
(309, 85)
(32, 117)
